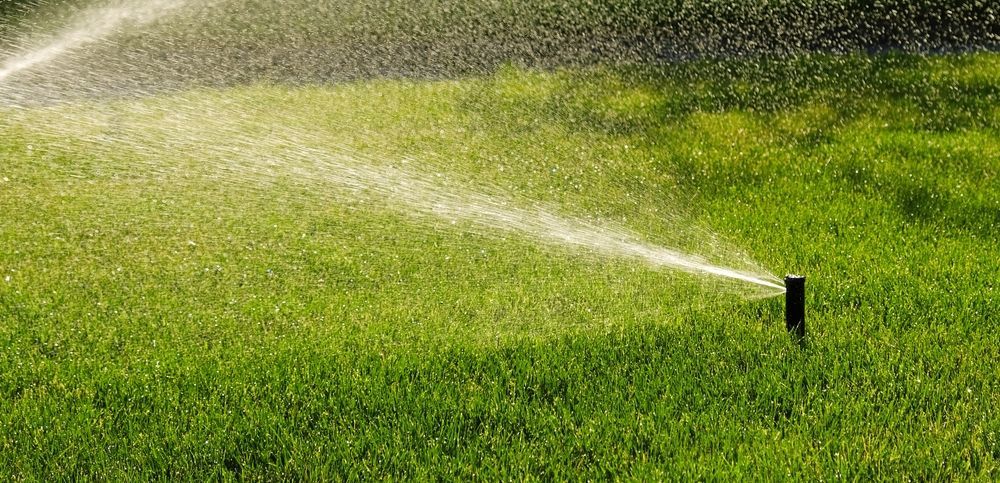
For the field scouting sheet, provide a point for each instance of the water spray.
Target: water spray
(94, 27)
(338, 171)
(795, 305)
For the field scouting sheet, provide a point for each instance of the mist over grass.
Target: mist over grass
(644, 27)
(161, 323)
(235, 42)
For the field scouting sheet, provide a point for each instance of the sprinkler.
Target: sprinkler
(795, 305)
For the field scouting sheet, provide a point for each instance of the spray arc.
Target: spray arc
(340, 172)
(94, 27)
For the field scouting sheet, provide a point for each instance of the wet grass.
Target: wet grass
(163, 324)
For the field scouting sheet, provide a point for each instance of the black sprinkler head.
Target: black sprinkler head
(795, 305)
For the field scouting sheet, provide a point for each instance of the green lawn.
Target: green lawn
(185, 294)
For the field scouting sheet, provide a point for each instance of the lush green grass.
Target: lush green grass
(164, 324)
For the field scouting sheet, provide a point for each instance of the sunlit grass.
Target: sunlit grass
(157, 320)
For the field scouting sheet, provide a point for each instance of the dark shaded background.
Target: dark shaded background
(307, 41)
(663, 27)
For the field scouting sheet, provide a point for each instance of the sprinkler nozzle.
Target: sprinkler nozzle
(795, 305)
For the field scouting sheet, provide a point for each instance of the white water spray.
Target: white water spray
(96, 25)
(544, 225)
(220, 139)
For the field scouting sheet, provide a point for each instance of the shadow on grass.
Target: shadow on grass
(947, 93)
